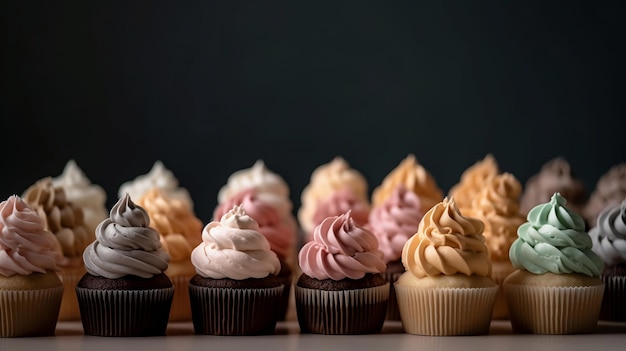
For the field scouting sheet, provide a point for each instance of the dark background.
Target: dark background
(208, 87)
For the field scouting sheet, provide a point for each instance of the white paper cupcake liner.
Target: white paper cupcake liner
(357, 311)
(29, 312)
(554, 310)
(445, 311)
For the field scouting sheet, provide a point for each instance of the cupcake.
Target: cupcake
(555, 176)
(610, 190)
(342, 289)
(497, 206)
(472, 181)
(279, 234)
(446, 289)
(236, 290)
(180, 232)
(65, 220)
(338, 203)
(609, 242)
(125, 291)
(158, 177)
(415, 178)
(393, 222)
(556, 287)
(30, 289)
(326, 180)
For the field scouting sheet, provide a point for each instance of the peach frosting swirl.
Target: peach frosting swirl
(497, 205)
(415, 178)
(62, 218)
(473, 180)
(339, 203)
(395, 221)
(180, 229)
(25, 245)
(341, 249)
(233, 248)
(280, 233)
(447, 243)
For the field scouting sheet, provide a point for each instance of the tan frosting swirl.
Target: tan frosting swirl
(497, 205)
(326, 180)
(473, 180)
(180, 229)
(25, 246)
(447, 243)
(62, 218)
(610, 190)
(415, 178)
(233, 248)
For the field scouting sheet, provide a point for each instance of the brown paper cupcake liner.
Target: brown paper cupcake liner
(69, 304)
(226, 311)
(181, 306)
(554, 310)
(393, 314)
(29, 312)
(614, 301)
(446, 311)
(357, 311)
(125, 312)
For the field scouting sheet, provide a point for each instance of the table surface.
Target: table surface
(180, 337)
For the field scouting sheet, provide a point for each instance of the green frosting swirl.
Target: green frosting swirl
(554, 240)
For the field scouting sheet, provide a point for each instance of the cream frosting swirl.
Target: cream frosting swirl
(447, 243)
(609, 235)
(25, 246)
(473, 180)
(80, 191)
(610, 190)
(338, 203)
(233, 248)
(554, 240)
(341, 249)
(395, 221)
(126, 245)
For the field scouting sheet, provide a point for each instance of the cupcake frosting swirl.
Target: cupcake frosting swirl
(338, 203)
(341, 249)
(234, 248)
(554, 240)
(126, 245)
(610, 190)
(609, 235)
(447, 243)
(25, 246)
(473, 180)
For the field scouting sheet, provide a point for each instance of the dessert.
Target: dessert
(341, 289)
(30, 290)
(472, 181)
(338, 203)
(609, 242)
(393, 222)
(446, 289)
(497, 206)
(125, 291)
(180, 232)
(610, 190)
(556, 288)
(415, 178)
(236, 290)
(65, 221)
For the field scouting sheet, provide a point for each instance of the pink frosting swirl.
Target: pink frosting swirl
(341, 249)
(395, 221)
(280, 233)
(25, 246)
(340, 202)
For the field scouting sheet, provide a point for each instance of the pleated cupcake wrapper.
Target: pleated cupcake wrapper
(614, 301)
(69, 304)
(225, 311)
(357, 311)
(393, 314)
(181, 307)
(500, 308)
(29, 312)
(283, 305)
(554, 310)
(125, 312)
(445, 311)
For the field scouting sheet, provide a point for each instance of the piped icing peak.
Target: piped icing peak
(609, 235)
(395, 220)
(473, 180)
(610, 190)
(341, 249)
(126, 244)
(258, 177)
(338, 203)
(554, 240)
(414, 177)
(234, 248)
(25, 245)
(447, 243)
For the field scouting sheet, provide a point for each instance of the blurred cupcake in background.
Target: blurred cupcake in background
(472, 181)
(610, 190)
